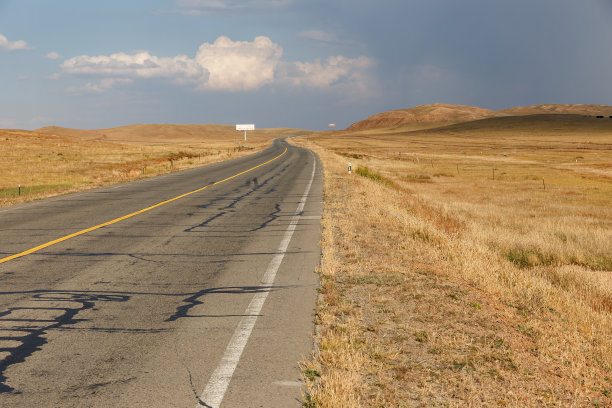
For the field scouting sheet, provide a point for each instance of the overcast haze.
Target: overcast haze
(292, 63)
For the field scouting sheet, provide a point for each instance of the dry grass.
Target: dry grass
(446, 284)
(57, 161)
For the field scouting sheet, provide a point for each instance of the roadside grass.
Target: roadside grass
(30, 190)
(49, 164)
(476, 289)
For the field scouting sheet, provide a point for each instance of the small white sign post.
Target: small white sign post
(245, 128)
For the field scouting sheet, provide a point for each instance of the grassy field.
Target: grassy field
(468, 265)
(54, 161)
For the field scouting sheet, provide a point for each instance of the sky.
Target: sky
(292, 63)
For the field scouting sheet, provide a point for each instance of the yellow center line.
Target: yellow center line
(76, 234)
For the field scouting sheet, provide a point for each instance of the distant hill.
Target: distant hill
(146, 134)
(166, 134)
(527, 125)
(442, 114)
(588, 110)
(436, 113)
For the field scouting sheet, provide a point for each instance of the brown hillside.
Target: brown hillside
(168, 134)
(443, 114)
(589, 110)
(147, 134)
(436, 113)
(553, 126)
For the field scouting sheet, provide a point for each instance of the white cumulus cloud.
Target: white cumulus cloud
(232, 4)
(320, 36)
(19, 45)
(141, 64)
(53, 55)
(7, 123)
(223, 65)
(334, 71)
(103, 85)
(239, 65)
(205, 7)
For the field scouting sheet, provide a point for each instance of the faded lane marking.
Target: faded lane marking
(288, 383)
(76, 234)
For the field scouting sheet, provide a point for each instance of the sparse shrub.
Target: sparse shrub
(182, 155)
(460, 365)
(423, 235)
(476, 305)
(352, 155)
(417, 178)
(421, 336)
(365, 172)
(601, 262)
(526, 258)
(309, 402)
(311, 374)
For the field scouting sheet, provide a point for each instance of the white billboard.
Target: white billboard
(245, 127)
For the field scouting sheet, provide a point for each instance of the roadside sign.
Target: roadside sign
(245, 127)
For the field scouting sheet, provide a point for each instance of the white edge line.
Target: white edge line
(219, 381)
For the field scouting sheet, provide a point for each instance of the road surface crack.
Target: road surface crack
(193, 389)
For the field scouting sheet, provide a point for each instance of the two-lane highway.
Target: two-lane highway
(196, 288)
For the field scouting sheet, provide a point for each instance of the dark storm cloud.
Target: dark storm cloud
(337, 61)
(492, 53)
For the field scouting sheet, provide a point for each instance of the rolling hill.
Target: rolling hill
(542, 125)
(588, 110)
(424, 114)
(155, 134)
(444, 114)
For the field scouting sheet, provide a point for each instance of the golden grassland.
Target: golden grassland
(55, 161)
(163, 134)
(469, 265)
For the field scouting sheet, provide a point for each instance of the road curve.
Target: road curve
(196, 288)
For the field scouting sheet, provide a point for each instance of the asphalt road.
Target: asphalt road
(205, 300)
